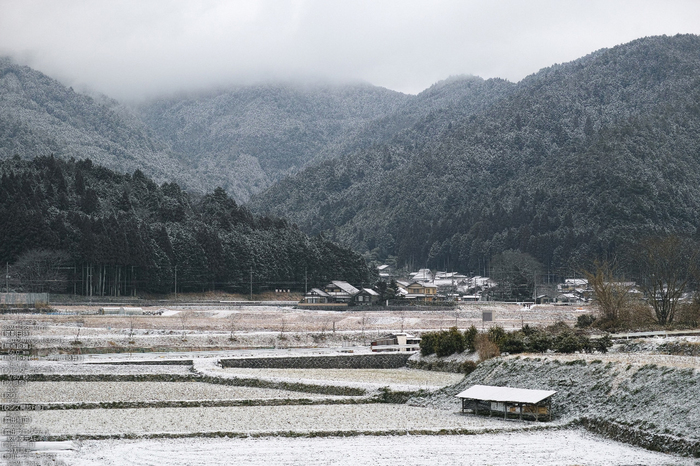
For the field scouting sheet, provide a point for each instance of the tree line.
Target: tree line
(73, 226)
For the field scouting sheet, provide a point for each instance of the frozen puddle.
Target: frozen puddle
(548, 448)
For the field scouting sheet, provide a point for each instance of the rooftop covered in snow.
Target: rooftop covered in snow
(505, 394)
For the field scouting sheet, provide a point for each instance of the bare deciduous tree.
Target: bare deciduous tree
(184, 316)
(39, 270)
(233, 324)
(667, 266)
(612, 293)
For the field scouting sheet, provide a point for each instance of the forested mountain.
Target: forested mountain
(39, 117)
(77, 226)
(246, 138)
(566, 165)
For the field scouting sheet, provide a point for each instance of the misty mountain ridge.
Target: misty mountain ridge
(245, 138)
(242, 138)
(568, 164)
(39, 117)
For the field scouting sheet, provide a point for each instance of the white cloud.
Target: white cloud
(129, 49)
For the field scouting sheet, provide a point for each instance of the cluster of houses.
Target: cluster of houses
(422, 286)
(426, 286)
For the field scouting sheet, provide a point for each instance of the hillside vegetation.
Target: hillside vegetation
(566, 165)
(76, 226)
(246, 138)
(40, 117)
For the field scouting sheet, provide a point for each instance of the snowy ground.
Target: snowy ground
(629, 375)
(372, 379)
(269, 420)
(269, 326)
(550, 448)
(95, 392)
(635, 359)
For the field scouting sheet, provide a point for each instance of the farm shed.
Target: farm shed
(506, 400)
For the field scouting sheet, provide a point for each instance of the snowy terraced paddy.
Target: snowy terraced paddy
(396, 379)
(268, 420)
(61, 368)
(681, 362)
(95, 392)
(550, 448)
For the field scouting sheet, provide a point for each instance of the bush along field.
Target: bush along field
(558, 338)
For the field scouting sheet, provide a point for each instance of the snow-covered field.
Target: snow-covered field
(379, 418)
(635, 359)
(94, 392)
(549, 448)
(270, 326)
(395, 379)
(617, 386)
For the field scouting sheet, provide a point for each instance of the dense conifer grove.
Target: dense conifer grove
(77, 227)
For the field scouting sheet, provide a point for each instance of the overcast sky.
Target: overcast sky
(133, 49)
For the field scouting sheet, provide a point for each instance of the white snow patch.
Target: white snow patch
(552, 448)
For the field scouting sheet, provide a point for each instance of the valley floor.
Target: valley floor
(177, 408)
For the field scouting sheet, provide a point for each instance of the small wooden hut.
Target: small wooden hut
(505, 401)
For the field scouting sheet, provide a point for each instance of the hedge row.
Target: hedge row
(560, 339)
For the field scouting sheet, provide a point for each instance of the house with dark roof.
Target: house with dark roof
(366, 296)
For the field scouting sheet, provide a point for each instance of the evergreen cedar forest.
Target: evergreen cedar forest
(116, 234)
(593, 160)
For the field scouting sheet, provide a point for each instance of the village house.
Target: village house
(418, 291)
(385, 272)
(423, 275)
(339, 292)
(317, 296)
(366, 296)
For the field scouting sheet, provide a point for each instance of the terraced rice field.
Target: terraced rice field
(551, 448)
(372, 378)
(96, 392)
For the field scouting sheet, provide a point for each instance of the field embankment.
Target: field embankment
(651, 405)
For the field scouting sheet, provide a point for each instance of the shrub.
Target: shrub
(513, 343)
(485, 347)
(470, 338)
(427, 343)
(585, 320)
(449, 342)
(443, 343)
(603, 343)
(538, 342)
(467, 367)
(497, 335)
(569, 342)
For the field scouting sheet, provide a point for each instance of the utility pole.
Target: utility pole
(306, 281)
(251, 283)
(176, 283)
(7, 277)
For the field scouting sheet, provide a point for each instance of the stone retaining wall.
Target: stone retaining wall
(351, 361)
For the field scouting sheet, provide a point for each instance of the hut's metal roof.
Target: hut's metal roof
(515, 395)
(319, 292)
